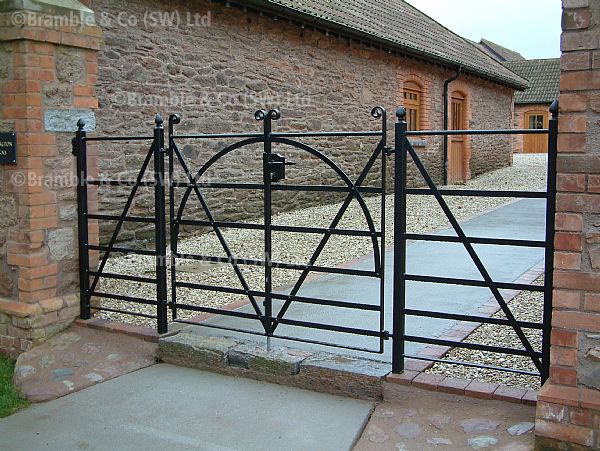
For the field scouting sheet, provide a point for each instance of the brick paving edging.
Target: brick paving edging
(415, 375)
(464, 387)
(143, 332)
(463, 329)
(412, 376)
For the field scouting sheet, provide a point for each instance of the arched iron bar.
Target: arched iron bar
(352, 188)
(363, 175)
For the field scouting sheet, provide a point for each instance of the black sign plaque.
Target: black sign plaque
(8, 148)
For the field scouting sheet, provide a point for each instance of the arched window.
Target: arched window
(412, 103)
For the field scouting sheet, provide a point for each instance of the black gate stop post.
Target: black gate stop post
(399, 293)
(160, 226)
(550, 232)
(80, 151)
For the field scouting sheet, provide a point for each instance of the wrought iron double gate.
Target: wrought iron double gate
(168, 189)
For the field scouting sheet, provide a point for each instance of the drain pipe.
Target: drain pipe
(446, 83)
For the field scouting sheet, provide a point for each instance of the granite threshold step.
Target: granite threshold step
(317, 371)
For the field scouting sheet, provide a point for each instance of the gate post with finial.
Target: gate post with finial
(399, 292)
(160, 225)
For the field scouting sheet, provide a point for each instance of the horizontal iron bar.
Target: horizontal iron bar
(119, 138)
(120, 297)
(123, 312)
(332, 328)
(473, 365)
(281, 265)
(283, 297)
(121, 250)
(219, 135)
(118, 183)
(475, 240)
(522, 131)
(473, 283)
(473, 319)
(276, 228)
(475, 346)
(275, 187)
(108, 275)
(325, 343)
(119, 218)
(235, 313)
(479, 193)
(323, 134)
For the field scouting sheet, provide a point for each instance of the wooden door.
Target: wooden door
(456, 149)
(535, 143)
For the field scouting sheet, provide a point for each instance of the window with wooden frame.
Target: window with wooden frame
(412, 103)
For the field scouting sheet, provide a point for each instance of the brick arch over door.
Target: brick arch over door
(413, 78)
(459, 147)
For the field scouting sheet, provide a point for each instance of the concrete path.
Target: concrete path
(166, 407)
(523, 219)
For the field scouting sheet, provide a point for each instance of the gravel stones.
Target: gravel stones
(479, 425)
(520, 428)
(483, 441)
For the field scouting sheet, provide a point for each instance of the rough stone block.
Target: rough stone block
(61, 244)
(195, 351)
(255, 358)
(356, 378)
(56, 120)
(51, 305)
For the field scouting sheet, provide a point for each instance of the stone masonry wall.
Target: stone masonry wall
(216, 76)
(568, 411)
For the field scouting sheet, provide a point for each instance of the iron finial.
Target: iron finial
(378, 112)
(260, 115)
(158, 120)
(174, 119)
(275, 114)
(554, 109)
(80, 124)
(401, 114)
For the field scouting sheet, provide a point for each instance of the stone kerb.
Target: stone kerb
(48, 74)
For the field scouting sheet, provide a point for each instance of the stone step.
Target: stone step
(321, 372)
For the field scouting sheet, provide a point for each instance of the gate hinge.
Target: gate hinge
(277, 166)
(386, 335)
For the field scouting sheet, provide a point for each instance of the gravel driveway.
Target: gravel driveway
(423, 215)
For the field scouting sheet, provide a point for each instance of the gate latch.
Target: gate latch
(277, 166)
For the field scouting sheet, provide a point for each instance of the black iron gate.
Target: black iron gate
(405, 151)
(195, 185)
(167, 187)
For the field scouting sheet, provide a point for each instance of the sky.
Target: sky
(530, 27)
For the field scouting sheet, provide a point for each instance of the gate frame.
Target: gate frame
(403, 149)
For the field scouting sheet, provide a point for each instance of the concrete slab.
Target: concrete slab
(168, 407)
(523, 219)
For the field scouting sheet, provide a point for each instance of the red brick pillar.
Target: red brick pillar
(569, 403)
(48, 71)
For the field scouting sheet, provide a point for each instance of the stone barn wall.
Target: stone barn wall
(216, 76)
